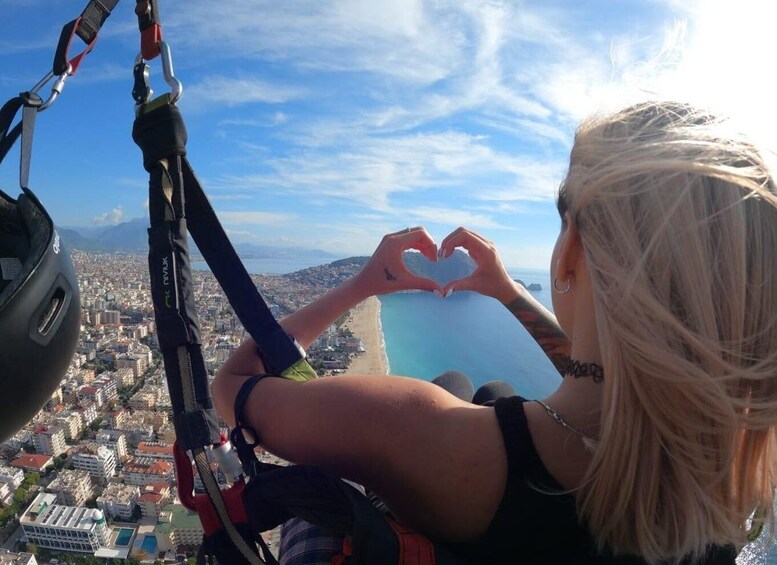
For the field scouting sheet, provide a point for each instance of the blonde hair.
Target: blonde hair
(678, 220)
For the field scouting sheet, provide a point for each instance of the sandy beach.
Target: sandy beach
(364, 322)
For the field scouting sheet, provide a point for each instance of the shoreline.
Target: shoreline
(364, 322)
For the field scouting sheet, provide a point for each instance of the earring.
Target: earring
(564, 290)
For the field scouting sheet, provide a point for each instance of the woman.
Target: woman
(660, 442)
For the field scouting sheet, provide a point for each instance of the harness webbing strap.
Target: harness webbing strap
(161, 131)
(86, 26)
(414, 549)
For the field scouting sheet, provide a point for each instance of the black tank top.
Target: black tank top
(533, 524)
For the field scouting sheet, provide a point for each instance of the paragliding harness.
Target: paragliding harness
(262, 496)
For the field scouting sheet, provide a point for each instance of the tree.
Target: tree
(32, 548)
(30, 479)
(20, 496)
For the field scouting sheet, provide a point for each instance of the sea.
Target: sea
(425, 336)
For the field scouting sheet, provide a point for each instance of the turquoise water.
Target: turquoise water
(149, 544)
(124, 537)
(426, 335)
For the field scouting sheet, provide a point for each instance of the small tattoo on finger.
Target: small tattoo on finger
(389, 276)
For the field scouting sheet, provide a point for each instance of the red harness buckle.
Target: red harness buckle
(201, 503)
(150, 38)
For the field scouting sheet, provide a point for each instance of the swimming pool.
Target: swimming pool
(124, 536)
(149, 544)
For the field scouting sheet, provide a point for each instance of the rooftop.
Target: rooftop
(31, 461)
(180, 517)
(44, 511)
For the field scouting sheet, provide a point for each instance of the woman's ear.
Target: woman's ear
(570, 251)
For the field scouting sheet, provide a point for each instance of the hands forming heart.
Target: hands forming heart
(386, 271)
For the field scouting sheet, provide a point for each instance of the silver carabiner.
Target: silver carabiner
(176, 88)
(142, 91)
(56, 88)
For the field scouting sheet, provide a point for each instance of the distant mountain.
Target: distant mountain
(131, 236)
(458, 265)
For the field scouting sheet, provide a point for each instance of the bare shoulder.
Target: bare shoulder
(438, 462)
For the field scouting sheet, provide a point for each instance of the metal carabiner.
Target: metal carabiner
(142, 90)
(56, 88)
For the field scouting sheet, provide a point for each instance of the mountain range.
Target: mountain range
(132, 237)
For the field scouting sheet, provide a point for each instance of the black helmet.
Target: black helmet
(39, 310)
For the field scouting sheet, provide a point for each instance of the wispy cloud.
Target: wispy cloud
(232, 91)
(255, 218)
(109, 218)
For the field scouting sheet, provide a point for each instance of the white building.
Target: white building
(49, 440)
(10, 558)
(141, 471)
(118, 500)
(12, 477)
(73, 488)
(177, 526)
(65, 528)
(116, 441)
(72, 424)
(98, 460)
(124, 377)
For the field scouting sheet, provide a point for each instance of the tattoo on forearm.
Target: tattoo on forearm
(389, 276)
(544, 328)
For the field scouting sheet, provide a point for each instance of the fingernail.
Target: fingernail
(437, 293)
(450, 291)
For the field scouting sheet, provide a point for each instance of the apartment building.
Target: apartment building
(119, 500)
(98, 460)
(50, 525)
(72, 487)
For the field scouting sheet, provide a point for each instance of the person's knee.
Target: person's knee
(456, 383)
(491, 391)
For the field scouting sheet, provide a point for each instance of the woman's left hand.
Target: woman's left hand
(386, 272)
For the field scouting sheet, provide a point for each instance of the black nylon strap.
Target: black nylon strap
(161, 134)
(93, 17)
(86, 27)
(148, 13)
(8, 135)
(32, 102)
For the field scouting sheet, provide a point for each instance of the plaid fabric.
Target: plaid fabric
(302, 543)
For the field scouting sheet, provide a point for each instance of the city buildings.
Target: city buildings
(72, 487)
(70, 528)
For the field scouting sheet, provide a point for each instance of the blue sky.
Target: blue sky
(327, 124)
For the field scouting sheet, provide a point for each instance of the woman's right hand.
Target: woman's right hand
(489, 277)
(386, 272)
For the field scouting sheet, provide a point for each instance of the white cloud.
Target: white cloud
(231, 91)
(109, 218)
(254, 218)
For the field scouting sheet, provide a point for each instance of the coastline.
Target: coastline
(364, 322)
